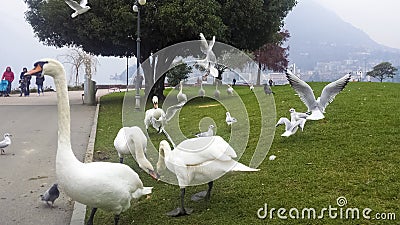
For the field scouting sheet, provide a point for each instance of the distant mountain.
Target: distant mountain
(319, 35)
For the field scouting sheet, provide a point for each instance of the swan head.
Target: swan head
(49, 67)
(211, 127)
(292, 110)
(7, 135)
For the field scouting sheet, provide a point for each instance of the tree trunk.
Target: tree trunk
(258, 74)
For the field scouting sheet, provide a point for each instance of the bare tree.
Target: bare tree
(78, 58)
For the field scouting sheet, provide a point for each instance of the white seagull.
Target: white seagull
(208, 133)
(5, 142)
(79, 8)
(306, 94)
(229, 120)
(290, 127)
(294, 116)
(209, 62)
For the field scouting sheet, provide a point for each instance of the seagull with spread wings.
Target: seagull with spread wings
(79, 8)
(209, 62)
(306, 94)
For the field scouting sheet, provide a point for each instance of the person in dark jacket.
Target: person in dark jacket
(27, 81)
(9, 76)
(39, 83)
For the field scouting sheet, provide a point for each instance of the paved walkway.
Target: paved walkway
(28, 168)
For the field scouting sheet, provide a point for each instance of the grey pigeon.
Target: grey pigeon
(268, 90)
(5, 142)
(51, 195)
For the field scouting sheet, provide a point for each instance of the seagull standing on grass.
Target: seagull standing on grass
(51, 195)
(208, 133)
(229, 120)
(79, 8)
(5, 142)
(306, 94)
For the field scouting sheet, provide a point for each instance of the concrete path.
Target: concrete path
(28, 168)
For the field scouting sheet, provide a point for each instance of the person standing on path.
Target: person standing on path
(39, 83)
(9, 76)
(26, 79)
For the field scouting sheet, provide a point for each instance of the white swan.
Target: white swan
(202, 92)
(105, 185)
(132, 140)
(229, 90)
(79, 8)
(148, 119)
(306, 94)
(5, 142)
(181, 96)
(229, 119)
(197, 161)
(251, 87)
(208, 133)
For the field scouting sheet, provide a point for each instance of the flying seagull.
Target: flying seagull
(79, 8)
(5, 142)
(51, 195)
(306, 94)
(291, 127)
(209, 62)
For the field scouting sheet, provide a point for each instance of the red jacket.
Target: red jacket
(8, 75)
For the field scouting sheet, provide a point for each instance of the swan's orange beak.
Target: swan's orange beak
(154, 175)
(37, 70)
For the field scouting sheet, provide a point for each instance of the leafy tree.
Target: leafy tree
(382, 71)
(109, 28)
(272, 55)
(178, 73)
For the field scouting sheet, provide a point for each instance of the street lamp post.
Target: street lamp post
(136, 8)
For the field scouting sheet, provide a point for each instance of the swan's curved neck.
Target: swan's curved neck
(64, 151)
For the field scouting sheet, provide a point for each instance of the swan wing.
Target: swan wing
(196, 151)
(73, 5)
(304, 91)
(332, 89)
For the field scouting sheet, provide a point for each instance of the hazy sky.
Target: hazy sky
(19, 48)
(379, 19)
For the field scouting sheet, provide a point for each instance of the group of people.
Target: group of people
(24, 82)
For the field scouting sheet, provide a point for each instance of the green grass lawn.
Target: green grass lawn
(354, 152)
